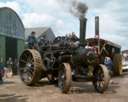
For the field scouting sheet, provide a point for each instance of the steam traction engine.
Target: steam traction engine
(64, 60)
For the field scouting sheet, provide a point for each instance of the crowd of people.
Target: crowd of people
(8, 69)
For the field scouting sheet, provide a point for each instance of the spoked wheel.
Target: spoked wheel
(30, 66)
(101, 78)
(65, 77)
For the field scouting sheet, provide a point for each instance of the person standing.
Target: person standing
(1, 71)
(9, 67)
(15, 66)
(109, 63)
(32, 41)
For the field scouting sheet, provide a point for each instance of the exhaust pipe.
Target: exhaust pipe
(82, 30)
(97, 35)
(97, 26)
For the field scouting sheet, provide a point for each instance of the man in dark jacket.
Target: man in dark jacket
(32, 41)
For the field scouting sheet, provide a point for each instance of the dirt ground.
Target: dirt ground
(13, 90)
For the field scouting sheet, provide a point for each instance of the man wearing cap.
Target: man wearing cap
(32, 40)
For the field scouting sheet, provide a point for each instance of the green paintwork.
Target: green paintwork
(2, 48)
(20, 47)
(11, 27)
(10, 23)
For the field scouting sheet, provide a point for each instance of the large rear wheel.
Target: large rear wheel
(101, 78)
(30, 66)
(65, 77)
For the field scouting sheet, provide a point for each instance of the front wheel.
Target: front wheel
(101, 78)
(65, 77)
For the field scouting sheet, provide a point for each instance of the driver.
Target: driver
(32, 40)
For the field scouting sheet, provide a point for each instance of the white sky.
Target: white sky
(39, 13)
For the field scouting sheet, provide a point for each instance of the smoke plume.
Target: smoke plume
(75, 7)
(78, 9)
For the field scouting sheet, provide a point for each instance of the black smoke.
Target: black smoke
(75, 7)
(78, 8)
